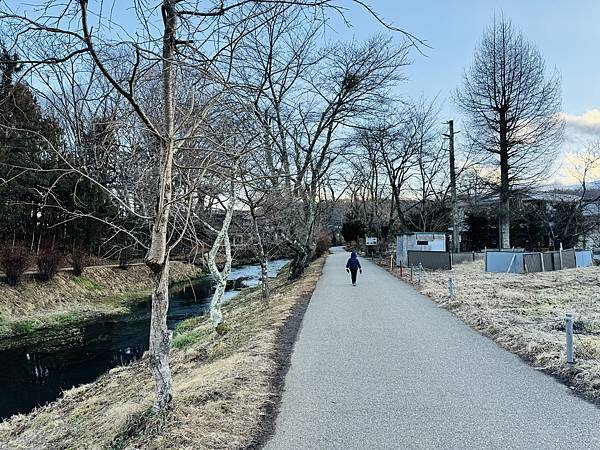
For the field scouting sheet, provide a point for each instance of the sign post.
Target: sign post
(370, 240)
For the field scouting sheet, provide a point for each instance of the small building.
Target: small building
(420, 241)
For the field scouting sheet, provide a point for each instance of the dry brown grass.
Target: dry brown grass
(525, 313)
(68, 299)
(223, 387)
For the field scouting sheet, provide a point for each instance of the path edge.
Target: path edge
(284, 347)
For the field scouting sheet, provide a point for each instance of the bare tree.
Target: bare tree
(367, 188)
(264, 210)
(307, 101)
(582, 222)
(513, 106)
(144, 70)
(406, 148)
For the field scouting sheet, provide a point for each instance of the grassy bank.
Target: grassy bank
(524, 313)
(68, 300)
(225, 387)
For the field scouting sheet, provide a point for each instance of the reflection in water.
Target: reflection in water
(32, 376)
(37, 370)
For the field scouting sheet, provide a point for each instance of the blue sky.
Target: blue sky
(566, 33)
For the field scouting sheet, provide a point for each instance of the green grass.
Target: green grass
(23, 326)
(86, 283)
(69, 318)
(186, 339)
(188, 325)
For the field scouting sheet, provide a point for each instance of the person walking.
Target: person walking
(353, 266)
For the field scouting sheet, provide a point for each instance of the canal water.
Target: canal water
(33, 376)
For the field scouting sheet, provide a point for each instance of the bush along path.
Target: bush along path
(381, 366)
(225, 385)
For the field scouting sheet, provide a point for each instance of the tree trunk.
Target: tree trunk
(504, 215)
(305, 251)
(262, 257)
(398, 204)
(160, 339)
(264, 278)
(222, 239)
(216, 316)
(299, 262)
(157, 258)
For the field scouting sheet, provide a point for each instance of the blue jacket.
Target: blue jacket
(353, 263)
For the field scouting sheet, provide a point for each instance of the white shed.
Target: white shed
(423, 241)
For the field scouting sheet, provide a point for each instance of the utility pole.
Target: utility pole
(455, 230)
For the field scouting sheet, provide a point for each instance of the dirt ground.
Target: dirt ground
(226, 388)
(524, 313)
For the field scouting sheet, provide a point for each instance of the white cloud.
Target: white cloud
(588, 122)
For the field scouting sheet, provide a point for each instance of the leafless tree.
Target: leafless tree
(307, 101)
(264, 208)
(367, 188)
(405, 148)
(144, 69)
(584, 166)
(513, 105)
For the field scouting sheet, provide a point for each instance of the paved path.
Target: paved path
(381, 366)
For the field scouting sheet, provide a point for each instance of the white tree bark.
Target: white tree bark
(222, 240)
(262, 257)
(216, 316)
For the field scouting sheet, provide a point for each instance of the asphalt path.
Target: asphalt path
(381, 366)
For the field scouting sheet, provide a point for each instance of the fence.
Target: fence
(534, 262)
(430, 260)
(503, 261)
(458, 258)
(584, 258)
(519, 262)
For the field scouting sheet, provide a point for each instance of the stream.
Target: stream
(33, 376)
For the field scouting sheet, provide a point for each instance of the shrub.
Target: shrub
(14, 261)
(323, 244)
(48, 262)
(79, 261)
(222, 329)
(124, 259)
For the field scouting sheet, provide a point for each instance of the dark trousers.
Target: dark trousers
(353, 274)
